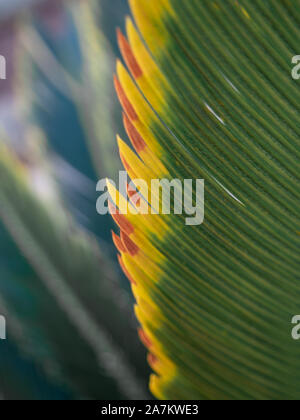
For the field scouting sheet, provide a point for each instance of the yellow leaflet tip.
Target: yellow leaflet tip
(130, 27)
(119, 140)
(121, 145)
(128, 21)
(119, 66)
(123, 148)
(110, 189)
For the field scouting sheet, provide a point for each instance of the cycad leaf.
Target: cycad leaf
(212, 98)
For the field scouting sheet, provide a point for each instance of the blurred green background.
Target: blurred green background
(71, 330)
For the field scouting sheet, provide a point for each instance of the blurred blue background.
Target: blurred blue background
(58, 119)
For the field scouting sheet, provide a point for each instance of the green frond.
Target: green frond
(211, 97)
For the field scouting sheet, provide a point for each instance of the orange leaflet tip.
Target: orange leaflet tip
(121, 220)
(125, 163)
(152, 360)
(135, 137)
(125, 271)
(128, 108)
(118, 243)
(129, 245)
(130, 192)
(144, 338)
(133, 193)
(128, 55)
(112, 208)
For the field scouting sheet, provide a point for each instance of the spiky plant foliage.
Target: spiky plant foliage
(211, 97)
